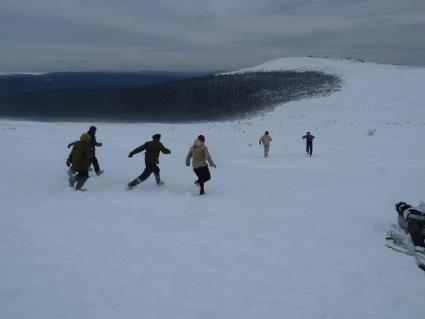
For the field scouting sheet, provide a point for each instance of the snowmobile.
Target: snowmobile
(412, 221)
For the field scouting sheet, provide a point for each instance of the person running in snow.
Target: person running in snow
(79, 161)
(93, 144)
(309, 143)
(152, 148)
(266, 139)
(200, 156)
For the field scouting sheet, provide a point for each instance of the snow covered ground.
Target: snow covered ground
(288, 236)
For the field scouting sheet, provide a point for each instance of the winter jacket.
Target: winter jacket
(309, 138)
(199, 154)
(93, 142)
(266, 139)
(152, 151)
(80, 155)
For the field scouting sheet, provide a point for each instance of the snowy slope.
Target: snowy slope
(284, 237)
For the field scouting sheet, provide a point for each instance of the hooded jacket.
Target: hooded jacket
(199, 154)
(81, 154)
(266, 139)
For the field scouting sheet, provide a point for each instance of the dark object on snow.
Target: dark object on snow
(309, 143)
(93, 144)
(79, 159)
(412, 220)
(152, 148)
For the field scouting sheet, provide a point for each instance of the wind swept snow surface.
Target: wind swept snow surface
(289, 236)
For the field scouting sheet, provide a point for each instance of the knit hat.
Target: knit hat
(85, 138)
(156, 136)
(201, 138)
(92, 129)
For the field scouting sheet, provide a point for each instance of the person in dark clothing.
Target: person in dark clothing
(152, 148)
(309, 143)
(79, 162)
(93, 144)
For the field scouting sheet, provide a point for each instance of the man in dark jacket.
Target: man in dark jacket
(309, 143)
(79, 160)
(152, 148)
(93, 144)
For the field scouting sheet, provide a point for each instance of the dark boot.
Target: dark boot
(80, 184)
(72, 181)
(158, 181)
(100, 172)
(71, 172)
(133, 183)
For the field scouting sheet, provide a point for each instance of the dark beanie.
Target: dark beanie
(92, 129)
(156, 136)
(201, 138)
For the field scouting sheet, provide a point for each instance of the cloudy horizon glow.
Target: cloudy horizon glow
(76, 35)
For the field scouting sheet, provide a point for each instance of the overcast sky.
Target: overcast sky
(74, 35)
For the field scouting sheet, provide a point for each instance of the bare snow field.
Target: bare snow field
(289, 236)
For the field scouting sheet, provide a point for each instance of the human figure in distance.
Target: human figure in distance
(265, 140)
(200, 156)
(152, 148)
(79, 162)
(93, 144)
(309, 143)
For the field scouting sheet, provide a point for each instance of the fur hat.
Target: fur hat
(201, 138)
(156, 136)
(85, 138)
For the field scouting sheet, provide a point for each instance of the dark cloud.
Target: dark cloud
(48, 35)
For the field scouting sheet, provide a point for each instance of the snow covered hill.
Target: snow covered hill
(289, 236)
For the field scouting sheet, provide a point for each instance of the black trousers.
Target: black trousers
(149, 169)
(95, 164)
(82, 173)
(203, 174)
(309, 147)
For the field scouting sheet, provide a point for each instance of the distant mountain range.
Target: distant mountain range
(208, 97)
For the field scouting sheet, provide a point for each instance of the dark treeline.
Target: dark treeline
(202, 98)
(22, 83)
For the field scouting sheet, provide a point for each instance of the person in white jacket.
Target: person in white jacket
(265, 140)
(200, 156)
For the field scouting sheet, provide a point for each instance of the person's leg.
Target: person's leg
(82, 177)
(204, 175)
(197, 172)
(306, 147)
(266, 150)
(311, 148)
(95, 163)
(72, 177)
(142, 177)
(96, 167)
(156, 171)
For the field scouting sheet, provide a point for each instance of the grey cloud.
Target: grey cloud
(221, 34)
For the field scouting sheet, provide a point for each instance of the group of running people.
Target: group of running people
(83, 154)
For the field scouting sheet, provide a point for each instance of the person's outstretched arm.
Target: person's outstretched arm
(165, 150)
(188, 157)
(72, 144)
(137, 150)
(208, 157)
